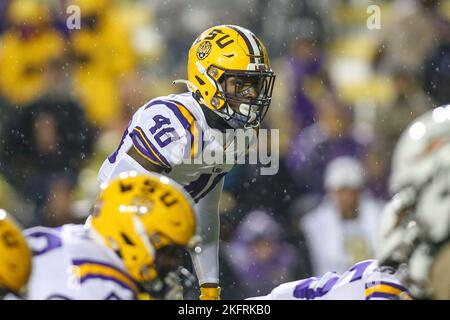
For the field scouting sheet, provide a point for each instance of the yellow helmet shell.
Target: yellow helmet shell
(138, 214)
(219, 49)
(15, 255)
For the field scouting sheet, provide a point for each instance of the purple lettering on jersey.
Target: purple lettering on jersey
(173, 106)
(163, 143)
(304, 291)
(53, 241)
(159, 122)
(329, 284)
(359, 269)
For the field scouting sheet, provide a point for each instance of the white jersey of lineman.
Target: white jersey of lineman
(167, 130)
(364, 281)
(69, 264)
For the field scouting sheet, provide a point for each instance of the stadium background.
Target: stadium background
(342, 89)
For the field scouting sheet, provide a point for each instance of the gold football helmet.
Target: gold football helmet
(146, 220)
(229, 72)
(15, 256)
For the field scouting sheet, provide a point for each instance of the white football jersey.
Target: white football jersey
(172, 132)
(170, 129)
(364, 281)
(69, 264)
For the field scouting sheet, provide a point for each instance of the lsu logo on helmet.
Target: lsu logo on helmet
(203, 50)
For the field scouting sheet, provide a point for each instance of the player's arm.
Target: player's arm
(132, 161)
(206, 263)
(144, 163)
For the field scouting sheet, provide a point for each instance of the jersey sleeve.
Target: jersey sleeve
(165, 133)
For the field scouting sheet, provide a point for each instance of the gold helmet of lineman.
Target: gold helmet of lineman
(145, 219)
(15, 256)
(229, 72)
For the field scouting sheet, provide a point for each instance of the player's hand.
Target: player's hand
(210, 292)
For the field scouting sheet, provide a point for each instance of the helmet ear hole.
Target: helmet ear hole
(199, 80)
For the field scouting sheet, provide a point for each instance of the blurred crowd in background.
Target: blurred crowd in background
(343, 94)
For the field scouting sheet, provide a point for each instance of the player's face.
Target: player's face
(242, 87)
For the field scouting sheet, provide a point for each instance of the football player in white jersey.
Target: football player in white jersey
(230, 84)
(363, 281)
(15, 258)
(414, 234)
(129, 248)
